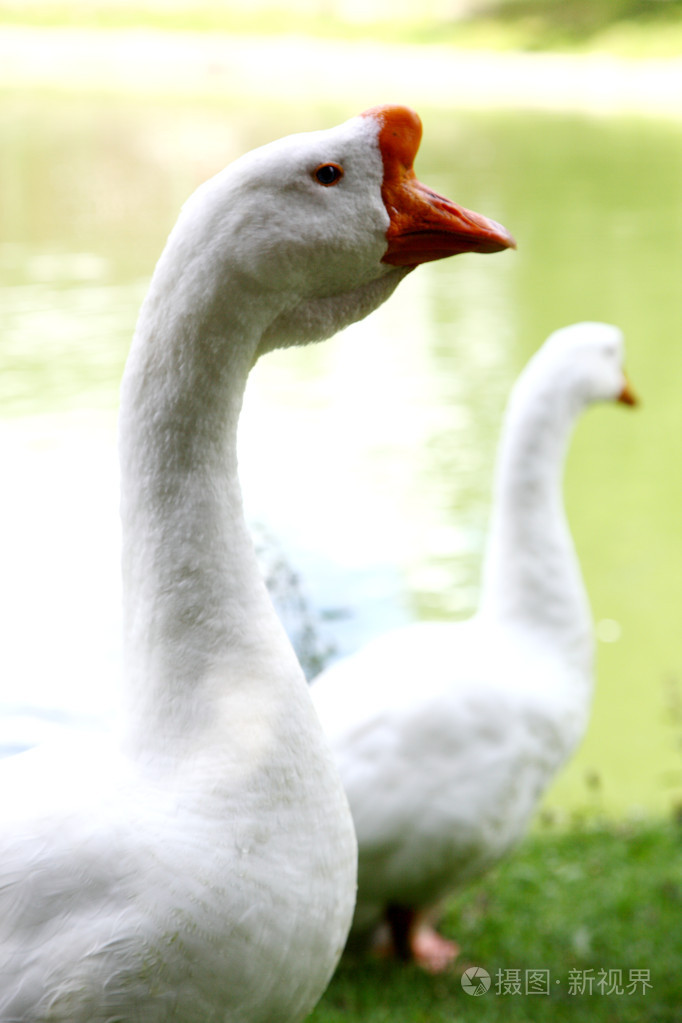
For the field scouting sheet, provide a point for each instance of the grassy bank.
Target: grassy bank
(644, 28)
(596, 907)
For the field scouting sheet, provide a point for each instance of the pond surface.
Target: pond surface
(366, 461)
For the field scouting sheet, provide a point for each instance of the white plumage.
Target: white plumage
(447, 734)
(201, 867)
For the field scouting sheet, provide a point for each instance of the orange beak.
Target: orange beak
(627, 396)
(424, 225)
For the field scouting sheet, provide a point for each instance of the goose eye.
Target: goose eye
(328, 174)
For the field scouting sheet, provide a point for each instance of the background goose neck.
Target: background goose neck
(531, 576)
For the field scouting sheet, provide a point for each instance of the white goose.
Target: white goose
(446, 734)
(203, 867)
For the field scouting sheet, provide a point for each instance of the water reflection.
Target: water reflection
(368, 458)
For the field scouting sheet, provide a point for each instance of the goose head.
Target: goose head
(583, 363)
(313, 231)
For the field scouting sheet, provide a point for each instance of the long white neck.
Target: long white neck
(197, 617)
(531, 573)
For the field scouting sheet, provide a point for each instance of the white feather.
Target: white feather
(447, 734)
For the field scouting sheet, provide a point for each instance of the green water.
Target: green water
(369, 457)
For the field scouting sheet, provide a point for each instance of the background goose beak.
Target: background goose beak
(627, 396)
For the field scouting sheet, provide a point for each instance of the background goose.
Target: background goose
(447, 734)
(202, 866)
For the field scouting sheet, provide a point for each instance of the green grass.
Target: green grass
(600, 899)
(628, 27)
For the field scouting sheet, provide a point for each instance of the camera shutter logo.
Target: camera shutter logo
(475, 980)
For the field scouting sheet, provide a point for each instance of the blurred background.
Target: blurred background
(366, 461)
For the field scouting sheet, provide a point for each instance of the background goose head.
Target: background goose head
(579, 365)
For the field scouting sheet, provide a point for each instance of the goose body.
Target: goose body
(201, 864)
(447, 734)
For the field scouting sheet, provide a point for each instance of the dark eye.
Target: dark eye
(328, 174)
